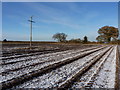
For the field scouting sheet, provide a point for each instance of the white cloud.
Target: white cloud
(62, 22)
(53, 15)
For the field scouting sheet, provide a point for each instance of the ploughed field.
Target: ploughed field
(59, 66)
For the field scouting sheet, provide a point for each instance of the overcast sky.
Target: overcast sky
(75, 19)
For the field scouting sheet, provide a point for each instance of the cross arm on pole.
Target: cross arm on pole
(31, 21)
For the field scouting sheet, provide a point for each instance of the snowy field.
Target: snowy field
(88, 67)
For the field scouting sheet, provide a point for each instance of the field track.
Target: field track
(80, 68)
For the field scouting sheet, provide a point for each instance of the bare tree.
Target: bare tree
(60, 37)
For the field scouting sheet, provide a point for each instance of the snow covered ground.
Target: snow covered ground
(100, 75)
(106, 76)
(55, 77)
(89, 76)
(51, 58)
(28, 56)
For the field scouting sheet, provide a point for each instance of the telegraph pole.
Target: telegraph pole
(31, 21)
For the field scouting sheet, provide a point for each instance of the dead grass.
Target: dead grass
(117, 81)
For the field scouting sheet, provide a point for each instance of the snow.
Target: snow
(53, 58)
(56, 77)
(88, 77)
(101, 75)
(40, 56)
(106, 76)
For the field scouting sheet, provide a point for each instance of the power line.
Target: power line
(31, 21)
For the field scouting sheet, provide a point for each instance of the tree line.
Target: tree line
(61, 37)
(107, 34)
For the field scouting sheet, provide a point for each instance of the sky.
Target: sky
(60, 0)
(76, 19)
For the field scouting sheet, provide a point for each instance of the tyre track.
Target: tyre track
(67, 66)
(32, 74)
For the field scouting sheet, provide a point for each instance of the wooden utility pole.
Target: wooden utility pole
(31, 21)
